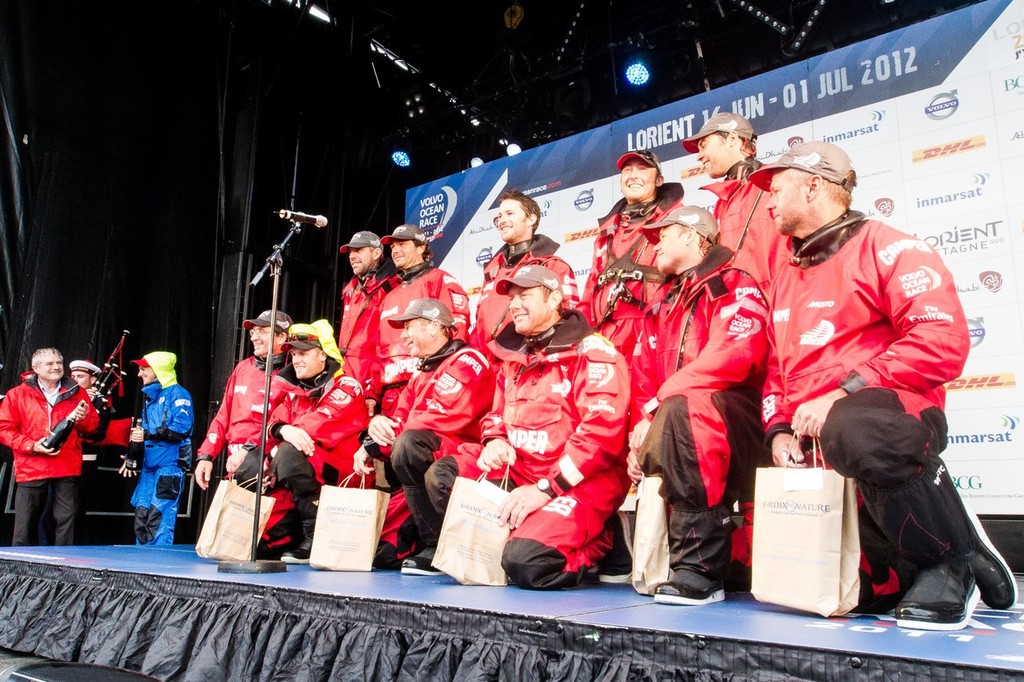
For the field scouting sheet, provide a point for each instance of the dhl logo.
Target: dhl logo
(691, 172)
(580, 235)
(949, 149)
(982, 382)
(474, 291)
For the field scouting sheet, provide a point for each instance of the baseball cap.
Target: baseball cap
(816, 158)
(283, 321)
(141, 362)
(301, 337)
(645, 155)
(528, 277)
(406, 233)
(723, 122)
(361, 239)
(688, 216)
(84, 365)
(425, 308)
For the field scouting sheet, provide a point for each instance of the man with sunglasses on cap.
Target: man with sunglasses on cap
(439, 410)
(314, 430)
(517, 221)
(623, 279)
(420, 278)
(373, 276)
(559, 424)
(165, 429)
(236, 426)
(697, 381)
(727, 147)
(867, 328)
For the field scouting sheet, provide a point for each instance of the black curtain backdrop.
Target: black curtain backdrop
(145, 147)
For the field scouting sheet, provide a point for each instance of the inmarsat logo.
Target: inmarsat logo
(976, 330)
(1008, 423)
(942, 106)
(584, 200)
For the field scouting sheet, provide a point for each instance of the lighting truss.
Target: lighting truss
(768, 19)
(812, 18)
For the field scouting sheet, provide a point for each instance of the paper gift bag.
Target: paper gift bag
(806, 549)
(650, 537)
(227, 531)
(471, 542)
(348, 525)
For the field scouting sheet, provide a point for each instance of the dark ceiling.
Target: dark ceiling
(555, 72)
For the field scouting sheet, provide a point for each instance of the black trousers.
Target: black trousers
(29, 501)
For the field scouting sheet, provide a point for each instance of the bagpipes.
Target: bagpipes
(111, 377)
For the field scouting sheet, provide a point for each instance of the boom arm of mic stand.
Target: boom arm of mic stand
(275, 257)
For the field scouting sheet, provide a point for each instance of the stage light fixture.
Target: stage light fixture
(476, 162)
(512, 149)
(763, 16)
(401, 158)
(637, 73)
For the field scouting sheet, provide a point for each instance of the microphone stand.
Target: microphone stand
(255, 565)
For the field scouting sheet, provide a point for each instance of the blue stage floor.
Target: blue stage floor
(992, 646)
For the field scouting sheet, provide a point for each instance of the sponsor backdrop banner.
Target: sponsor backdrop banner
(933, 117)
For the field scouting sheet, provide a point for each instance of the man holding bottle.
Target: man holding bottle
(29, 414)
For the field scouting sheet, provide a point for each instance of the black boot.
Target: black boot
(699, 546)
(617, 565)
(942, 598)
(428, 523)
(307, 506)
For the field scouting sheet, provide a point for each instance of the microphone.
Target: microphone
(318, 220)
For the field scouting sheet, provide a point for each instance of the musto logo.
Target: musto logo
(436, 210)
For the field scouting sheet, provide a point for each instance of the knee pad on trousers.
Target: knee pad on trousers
(412, 453)
(924, 519)
(294, 472)
(532, 565)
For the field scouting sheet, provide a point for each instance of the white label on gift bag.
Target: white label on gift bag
(492, 493)
(803, 479)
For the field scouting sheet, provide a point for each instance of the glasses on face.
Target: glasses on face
(303, 337)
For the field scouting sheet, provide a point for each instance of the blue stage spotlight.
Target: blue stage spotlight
(401, 158)
(637, 72)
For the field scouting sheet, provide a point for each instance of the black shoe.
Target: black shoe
(995, 581)
(942, 597)
(614, 575)
(690, 589)
(299, 555)
(421, 563)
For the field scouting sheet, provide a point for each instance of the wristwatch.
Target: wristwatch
(544, 485)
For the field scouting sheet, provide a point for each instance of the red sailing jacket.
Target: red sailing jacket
(25, 417)
(240, 415)
(564, 408)
(492, 310)
(709, 333)
(359, 332)
(448, 395)
(424, 281)
(873, 306)
(745, 226)
(333, 414)
(617, 236)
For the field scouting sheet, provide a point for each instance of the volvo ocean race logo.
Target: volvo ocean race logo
(942, 106)
(435, 211)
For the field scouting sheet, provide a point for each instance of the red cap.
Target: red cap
(141, 362)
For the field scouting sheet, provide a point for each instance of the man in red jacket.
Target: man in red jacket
(697, 380)
(517, 221)
(439, 409)
(727, 146)
(866, 330)
(373, 276)
(27, 414)
(236, 426)
(559, 424)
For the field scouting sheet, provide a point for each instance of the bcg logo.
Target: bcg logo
(967, 482)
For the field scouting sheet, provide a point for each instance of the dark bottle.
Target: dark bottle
(60, 432)
(133, 458)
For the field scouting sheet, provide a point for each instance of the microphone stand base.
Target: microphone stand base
(259, 566)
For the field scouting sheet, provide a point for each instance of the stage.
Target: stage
(168, 613)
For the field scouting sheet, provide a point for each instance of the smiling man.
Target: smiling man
(517, 220)
(558, 423)
(697, 380)
(439, 410)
